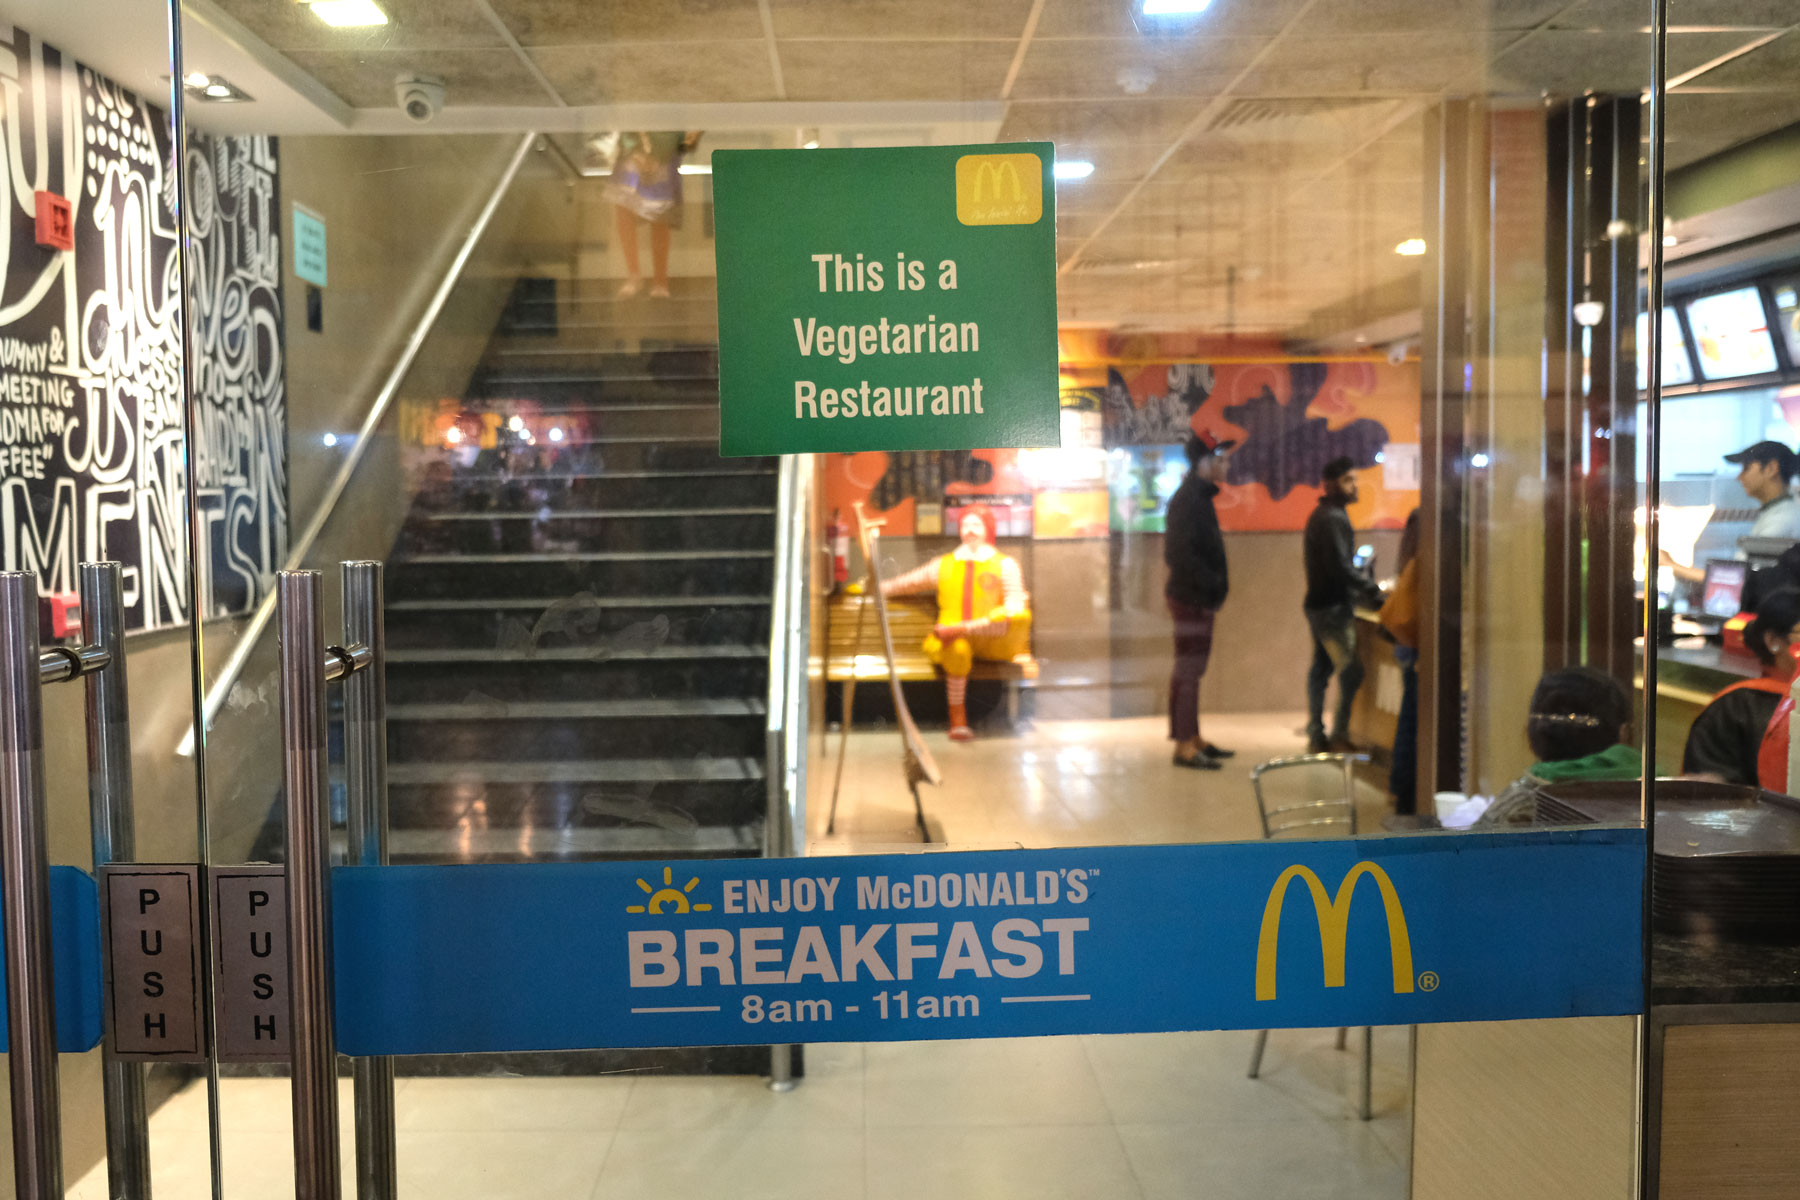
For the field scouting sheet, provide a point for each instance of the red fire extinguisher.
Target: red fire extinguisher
(839, 533)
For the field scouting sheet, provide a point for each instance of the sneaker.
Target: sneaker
(659, 291)
(1212, 751)
(961, 733)
(1316, 744)
(1198, 763)
(630, 288)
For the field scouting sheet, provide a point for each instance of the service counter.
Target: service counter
(1376, 711)
(1687, 678)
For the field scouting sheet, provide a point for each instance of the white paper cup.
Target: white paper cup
(1446, 803)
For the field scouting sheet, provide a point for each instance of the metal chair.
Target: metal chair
(1313, 818)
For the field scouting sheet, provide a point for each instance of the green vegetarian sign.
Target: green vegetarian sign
(886, 299)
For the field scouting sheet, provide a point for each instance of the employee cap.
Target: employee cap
(1784, 458)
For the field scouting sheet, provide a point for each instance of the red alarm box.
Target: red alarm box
(55, 221)
(59, 615)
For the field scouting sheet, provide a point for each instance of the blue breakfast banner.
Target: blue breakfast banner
(1369, 931)
(75, 962)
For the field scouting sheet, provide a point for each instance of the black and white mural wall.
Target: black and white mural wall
(93, 447)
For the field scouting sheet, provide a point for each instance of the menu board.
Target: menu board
(1731, 334)
(1677, 367)
(1787, 313)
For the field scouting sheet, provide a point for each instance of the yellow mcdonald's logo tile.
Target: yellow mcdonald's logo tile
(1334, 927)
(999, 189)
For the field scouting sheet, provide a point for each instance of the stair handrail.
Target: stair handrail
(785, 765)
(239, 657)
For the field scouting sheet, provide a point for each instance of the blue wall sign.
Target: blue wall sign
(309, 246)
(1372, 931)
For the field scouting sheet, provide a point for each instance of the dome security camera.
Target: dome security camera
(420, 96)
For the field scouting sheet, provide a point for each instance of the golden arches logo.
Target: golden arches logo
(1334, 927)
(999, 189)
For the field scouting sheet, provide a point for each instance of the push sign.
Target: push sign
(886, 299)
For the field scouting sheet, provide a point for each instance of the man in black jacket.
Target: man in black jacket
(1333, 587)
(1194, 550)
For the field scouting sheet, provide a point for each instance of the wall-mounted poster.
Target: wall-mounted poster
(92, 457)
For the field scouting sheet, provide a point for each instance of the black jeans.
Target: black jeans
(1334, 652)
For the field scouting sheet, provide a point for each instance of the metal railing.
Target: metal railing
(307, 664)
(784, 823)
(302, 545)
(25, 668)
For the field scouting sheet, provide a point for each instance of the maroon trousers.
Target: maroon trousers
(1193, 648)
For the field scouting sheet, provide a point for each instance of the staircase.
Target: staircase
(578, 619)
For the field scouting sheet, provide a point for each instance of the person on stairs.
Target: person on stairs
(983, 611)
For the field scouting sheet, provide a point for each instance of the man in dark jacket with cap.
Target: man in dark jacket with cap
(1194, 549)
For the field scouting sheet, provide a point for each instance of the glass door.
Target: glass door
(461, 279)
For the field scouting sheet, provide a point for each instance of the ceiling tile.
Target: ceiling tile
(1569, 62)
(1774, 67)
(1126, 120)
(365, 78)
(1473, 17)
(902, 20)
(1705, 123)
(1635, 14)
(652, 72)
(1124, 18)
(1073, 68)
(412, 25)
(1384, 64)
(599, 22)
(894, 70)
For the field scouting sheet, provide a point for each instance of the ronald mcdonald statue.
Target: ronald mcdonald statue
(983, 611)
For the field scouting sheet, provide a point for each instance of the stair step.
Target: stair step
(687, 706)
(600, 770)
(528, 602)
(613, 514)
(573, 654)
(532, 843)
(578, 476)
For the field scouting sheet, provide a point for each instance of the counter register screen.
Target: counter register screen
(1731, 334)
(1722, 592)
(1677, 368)
(1787, 313)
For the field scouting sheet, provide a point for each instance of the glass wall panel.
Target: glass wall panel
(1347, 533)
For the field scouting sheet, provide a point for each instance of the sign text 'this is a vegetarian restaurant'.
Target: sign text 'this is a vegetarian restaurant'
(886, 299)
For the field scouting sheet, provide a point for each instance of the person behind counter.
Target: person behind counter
(1333, 589)
(1400, 618)
(1578, 726)
(1766, 474)
(1727, 735)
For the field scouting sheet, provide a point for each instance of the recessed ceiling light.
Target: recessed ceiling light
(1410, 248)
(1670, 239)
(218, 91)
(1174, 8)
(212, 89)
(345, 14)
(197, 79)
(695, 168)
(1074, 169)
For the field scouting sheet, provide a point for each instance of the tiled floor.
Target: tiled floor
(1113, 1117)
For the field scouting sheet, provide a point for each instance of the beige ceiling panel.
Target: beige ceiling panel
(1474, 17)
(1568, 62)
(1774, 67)
(1123, 18)
(894, 70)
(1635, 14)
(649, 72)
(1127, 120)
(903, 20)
(412, 25)
(1352, 64)
(1109, 68)
(1707, 123)
(365, 78)
(1089, 196)
(598, 22)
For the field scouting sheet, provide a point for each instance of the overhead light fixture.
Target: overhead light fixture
(330, 439)
(1074, 169)
(212, 89)
(1410, 248)
(349, 14)
(1174, 8)
(515, 423)
(1670, 239)
(1589, 313)
(556, 433)
(695, 168)
(808, 139)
